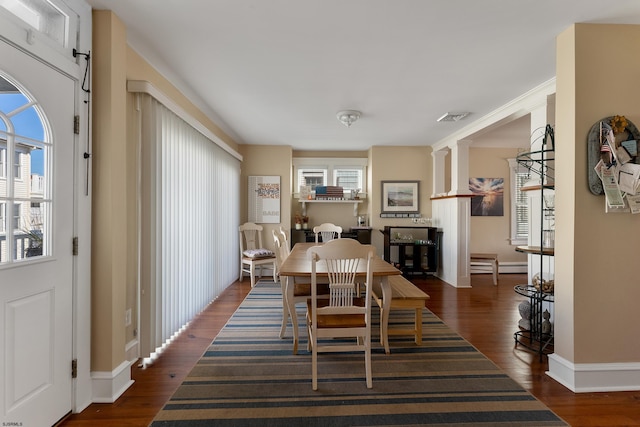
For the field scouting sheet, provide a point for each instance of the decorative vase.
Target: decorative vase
(305, 226)
(298, 226)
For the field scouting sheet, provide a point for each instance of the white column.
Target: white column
(460, 168)
(438, 171)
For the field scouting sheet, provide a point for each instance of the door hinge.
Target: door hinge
(76, 125)
(74, 368)
(74, 244)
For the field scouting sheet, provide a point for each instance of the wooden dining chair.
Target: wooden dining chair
(253, 255)
(345, 314)
(284, 238)
(299, 292)
(327, 232)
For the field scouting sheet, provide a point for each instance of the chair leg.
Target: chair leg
(285, 307)
(314, 366)
(241, 272)
(367, 362)
(294, 319)
(275, 272)
(253, 275)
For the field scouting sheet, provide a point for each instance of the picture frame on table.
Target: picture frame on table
(400, 197)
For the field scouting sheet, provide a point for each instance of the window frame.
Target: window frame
(517, 195)
(330, 167)
(3, 161)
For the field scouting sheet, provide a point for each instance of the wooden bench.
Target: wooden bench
(490, 259)
(405, 295)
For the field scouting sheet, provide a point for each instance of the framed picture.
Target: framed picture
(488, 196)
(400, 196)
(264, 199)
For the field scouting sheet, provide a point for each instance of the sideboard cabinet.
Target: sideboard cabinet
(414, 250)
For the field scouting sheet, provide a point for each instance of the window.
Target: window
(519, 207)
(24, 148)
(17, 208)
(3, 226)
(343, 172)
(17, 172)
(51, 18)
(3, 162)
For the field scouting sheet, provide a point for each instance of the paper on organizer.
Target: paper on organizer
(609, 184)
(629, 178)
(634, 203)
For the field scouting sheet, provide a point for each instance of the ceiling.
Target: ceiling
(276, 72)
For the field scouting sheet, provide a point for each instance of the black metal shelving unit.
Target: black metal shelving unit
(540, 162)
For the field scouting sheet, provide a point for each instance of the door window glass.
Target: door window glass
(25, 197)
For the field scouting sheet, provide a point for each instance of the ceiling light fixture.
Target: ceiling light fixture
(452, 117)
(347, 117)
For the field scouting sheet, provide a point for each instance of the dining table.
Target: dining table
(297, 266)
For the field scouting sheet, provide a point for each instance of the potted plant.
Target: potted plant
(302, 221)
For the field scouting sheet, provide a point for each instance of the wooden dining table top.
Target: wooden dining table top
(298, 264)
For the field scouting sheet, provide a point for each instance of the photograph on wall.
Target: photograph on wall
(400, 196)
(264, 199)
(488, 196)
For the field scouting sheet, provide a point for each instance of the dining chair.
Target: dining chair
(345, 314)
(300, 290)
(284, 238)
(281, 254)
(327, 231)
(254, 256)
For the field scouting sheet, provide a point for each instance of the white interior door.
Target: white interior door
(36, 265)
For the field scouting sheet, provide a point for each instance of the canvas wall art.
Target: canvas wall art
(488, 196)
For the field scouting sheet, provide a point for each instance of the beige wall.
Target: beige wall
(109, 220)
(267, 160)
(115, 162)
(492, 233)
(596, 253)
(392, 164)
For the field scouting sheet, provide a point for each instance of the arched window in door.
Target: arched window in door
(25, 192)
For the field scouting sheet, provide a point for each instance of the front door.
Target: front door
(36, 229)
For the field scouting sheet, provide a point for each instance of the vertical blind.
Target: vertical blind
(190, 218)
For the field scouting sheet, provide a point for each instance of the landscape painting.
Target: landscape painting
(400, 196)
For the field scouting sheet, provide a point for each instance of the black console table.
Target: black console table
(361, 234)
(417, 248)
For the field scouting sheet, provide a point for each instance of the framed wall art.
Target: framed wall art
(488, 196)
(264, 199)
(400, 197)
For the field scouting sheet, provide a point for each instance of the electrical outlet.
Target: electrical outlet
(127, 317)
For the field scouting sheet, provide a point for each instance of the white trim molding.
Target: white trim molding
(109, 386)
(594, 377)
(143, 86)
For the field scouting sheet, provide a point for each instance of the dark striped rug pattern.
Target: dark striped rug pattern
(249, 377)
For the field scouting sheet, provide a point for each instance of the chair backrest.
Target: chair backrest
(250, 236)
(327, 231)
(281, 251)
(283, 238)
(342, 259)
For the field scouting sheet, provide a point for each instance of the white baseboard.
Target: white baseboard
(132, 350)
(594, 377)
(109, 386)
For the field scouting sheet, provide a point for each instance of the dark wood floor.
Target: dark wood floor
(486, 315)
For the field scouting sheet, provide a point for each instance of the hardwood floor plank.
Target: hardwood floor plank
(485, 315)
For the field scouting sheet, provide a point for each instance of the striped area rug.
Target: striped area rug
(249, 377)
